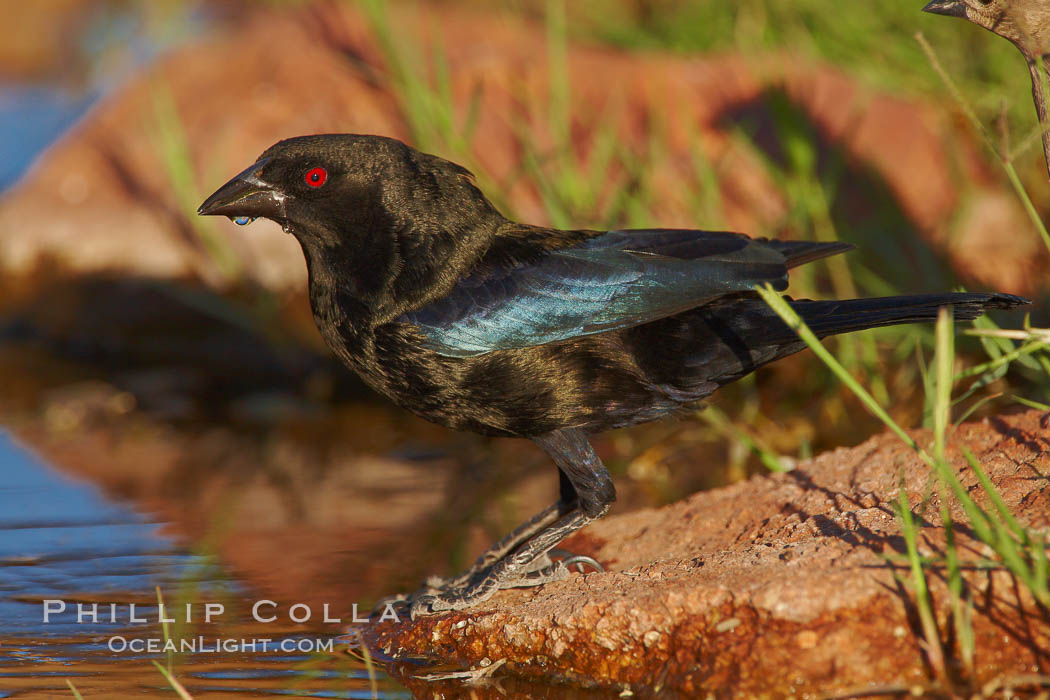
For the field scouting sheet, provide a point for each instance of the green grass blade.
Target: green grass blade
(976, 405)
(989, 530)
(1029, 208)
(1031, 404)
(934, 650)
(1040, 565)
(993, 495)
(961, 606)
(179, 689)
(979, 520)
(795, 323)
(718, 420)
(175, 158)
(165, 632)
(1027, 348)
(371, 669)
(1003, 158)
(943, 360)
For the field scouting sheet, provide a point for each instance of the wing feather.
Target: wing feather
(616, 280)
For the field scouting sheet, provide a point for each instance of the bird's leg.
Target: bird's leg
(521, 558)
(566, 502)
(437, 584)
(528, 566)
(544, 519)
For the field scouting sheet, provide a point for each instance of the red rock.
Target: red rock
(37, 39)
(776, 586)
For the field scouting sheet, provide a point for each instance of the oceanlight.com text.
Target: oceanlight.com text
(229, 645)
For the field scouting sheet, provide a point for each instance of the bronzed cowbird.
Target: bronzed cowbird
(480, 323)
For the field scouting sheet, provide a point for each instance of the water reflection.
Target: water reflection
(61, 540)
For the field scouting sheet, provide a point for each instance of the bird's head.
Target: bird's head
(313, 186)
(369, 205)
(316, 185)
(1023, 22)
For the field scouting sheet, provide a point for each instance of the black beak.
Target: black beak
(246, 195)
(951, 8)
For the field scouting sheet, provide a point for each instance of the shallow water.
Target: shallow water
(31, 117)
(61, 540)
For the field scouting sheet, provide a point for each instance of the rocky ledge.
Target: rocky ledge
(785, 584)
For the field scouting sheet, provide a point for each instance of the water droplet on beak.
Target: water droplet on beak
(242, 220)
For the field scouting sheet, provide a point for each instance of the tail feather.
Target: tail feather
(832, 317)
(720, 342)
(801, 252)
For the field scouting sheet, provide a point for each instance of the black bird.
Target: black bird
(480, 323)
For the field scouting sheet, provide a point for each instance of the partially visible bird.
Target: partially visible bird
(480, 323)
(1025, 24)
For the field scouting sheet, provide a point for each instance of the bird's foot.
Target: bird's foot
(540, 571)
(438, 594)
(432, 586)
(483, 588)
(580, 561)
(528, 565)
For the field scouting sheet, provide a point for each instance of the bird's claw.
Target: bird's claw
(398, 600)
(427, 604)
(580, 561)
(568, 559)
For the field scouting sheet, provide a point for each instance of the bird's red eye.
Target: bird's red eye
(315, 177)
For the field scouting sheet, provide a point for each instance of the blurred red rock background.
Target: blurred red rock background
(232, 94)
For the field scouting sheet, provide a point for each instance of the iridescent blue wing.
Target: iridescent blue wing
(616, 280)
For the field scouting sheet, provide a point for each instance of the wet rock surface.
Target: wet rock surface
(787, 584)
